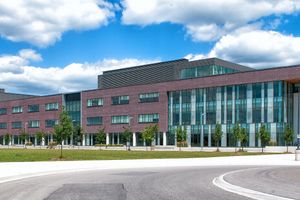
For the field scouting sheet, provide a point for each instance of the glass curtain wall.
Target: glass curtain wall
(249, 105)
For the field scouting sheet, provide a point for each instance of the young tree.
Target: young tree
(23, 137)
(288, 136)
(236, 134)
(7, 138)
(63, 129)
(181, 136)
(126, 137)
(148, 134)
(243, 137)
(101, 137)
(218, 134)
(78, 134)
(264, 137)
(40, 136)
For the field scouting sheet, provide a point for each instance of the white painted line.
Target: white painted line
(221, 183)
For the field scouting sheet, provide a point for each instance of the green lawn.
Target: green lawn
(21, 155)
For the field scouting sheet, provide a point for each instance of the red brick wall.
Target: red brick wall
(24, 117)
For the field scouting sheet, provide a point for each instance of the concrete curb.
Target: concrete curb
(221, 183)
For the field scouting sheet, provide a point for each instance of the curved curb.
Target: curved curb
(221, 183)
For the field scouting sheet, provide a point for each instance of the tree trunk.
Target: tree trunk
(61, 149)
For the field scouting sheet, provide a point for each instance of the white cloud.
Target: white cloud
(42, 22)
(205, 20)
(20, 77)
(14, 63)
(256, 48)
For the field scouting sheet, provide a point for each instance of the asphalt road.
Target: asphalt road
(139, 184)
(279, 181)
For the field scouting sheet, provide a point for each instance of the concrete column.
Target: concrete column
(164, 138)
(209, 136)
(219, 105)
(107, 139)
(180, 108)
(35, 140)
(134, 139)
(118, 138)
(224, 136)
(193, 107)
(92, 139)
(43, 141)
(3, 140)
(202, 135)
(249, 103)
(83, 140)
(270, 101)
(188, 138)
(51, 138)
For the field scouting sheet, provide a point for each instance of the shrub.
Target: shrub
(28, 144)
(182, 144)
(51, 145)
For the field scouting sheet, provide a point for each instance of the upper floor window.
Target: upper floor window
(16, 125)
(33, 108)
(34, 124)
(203, 71)
(149, 118)
(149, 97)
(94, 121)
(94, 102)
(118, 100)
(50, 123)
(3, 111)
(3, 125)
(121, 119)
(17, 109)
(51, 106)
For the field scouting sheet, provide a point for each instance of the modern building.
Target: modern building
(194, 94)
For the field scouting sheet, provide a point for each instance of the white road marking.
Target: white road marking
(221, 183)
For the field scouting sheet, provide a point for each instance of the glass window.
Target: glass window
(3, 125)
(148, 118)
(51, 122)
(33, 108)
(17, 109)
(119, 100)
(34, 124)
(3, 111)
(94, 102)
(121, 119)
(94, 121)
(149, 97)
(16, 125)
(203, 71)
(51, 106)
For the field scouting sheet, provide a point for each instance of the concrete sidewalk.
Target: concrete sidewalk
(17, 170)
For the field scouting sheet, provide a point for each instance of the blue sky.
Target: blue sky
(60, 45)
